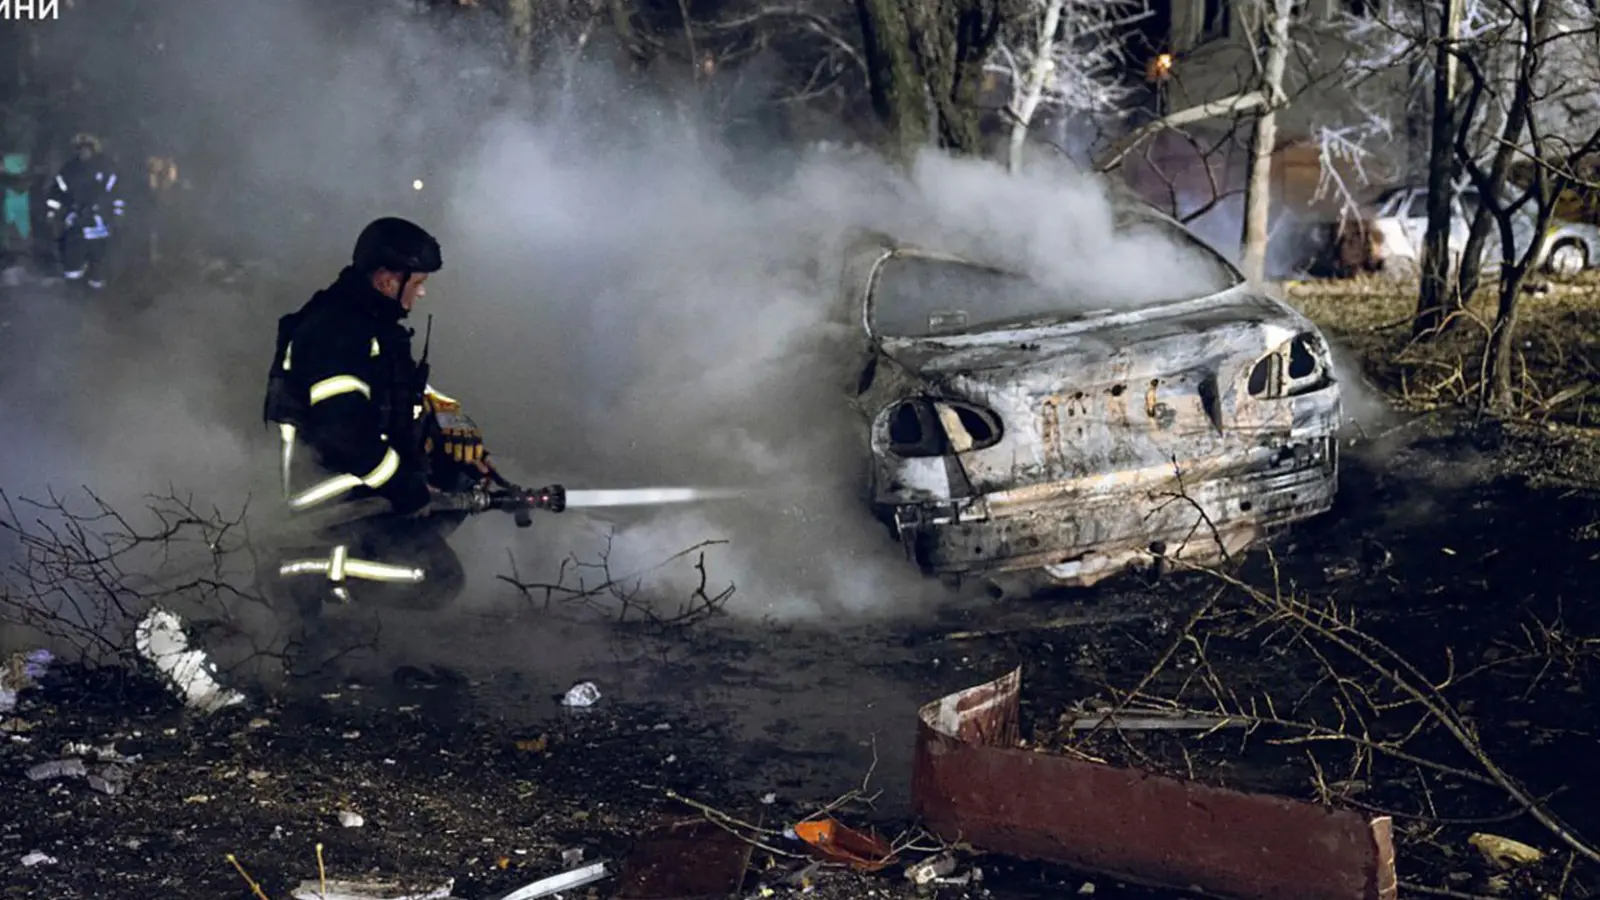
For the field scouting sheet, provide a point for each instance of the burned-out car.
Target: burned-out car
(1077, 438)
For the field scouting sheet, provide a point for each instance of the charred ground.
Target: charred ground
(1453, 543)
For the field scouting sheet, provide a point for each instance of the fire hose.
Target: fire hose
(511, 498)
(501, 495)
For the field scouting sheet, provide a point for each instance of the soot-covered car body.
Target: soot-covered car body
(1069, 443)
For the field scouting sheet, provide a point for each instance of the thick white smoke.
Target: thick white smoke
(621, 304)
(647, 321)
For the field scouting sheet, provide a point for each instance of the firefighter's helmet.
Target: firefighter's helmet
(397, 245)
(84, 139)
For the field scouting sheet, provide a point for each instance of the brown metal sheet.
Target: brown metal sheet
(689, 860)
(972, 783)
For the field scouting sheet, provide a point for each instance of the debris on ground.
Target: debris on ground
(838, 843)
(1504, 853)
(160, 639)
(372, 890)
(932, 869)
(973, 781)
(555, 884)
(111, 779)
(37, 859)
(581, 696)
(58, 768)
(457, 794)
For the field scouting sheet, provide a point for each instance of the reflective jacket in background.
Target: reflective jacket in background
(85, 195)
(344, 384)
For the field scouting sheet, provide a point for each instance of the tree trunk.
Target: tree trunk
(520, 19)
(1437, 295)
(1258, 191)
(1498, 395)
(1033, 87)
(957, 83)
(928, 50)
(1516, 121)
(899, 94)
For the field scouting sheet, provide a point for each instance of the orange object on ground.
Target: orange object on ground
(837, 843)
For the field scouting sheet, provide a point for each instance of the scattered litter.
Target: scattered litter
(37, 859)
(769, 798)
(111, 781)
(555, 884)
(108, 753)
(572, 857)
(1087, 888)
(21, 671)
(802, 877)
(932, 869)
(581, 695)
(687, 859)
(373, 890)
(350, 820)
(970, 876)
(160, 639)
(838, 843)
(940, 870)
(60, 768)
(1504, 852)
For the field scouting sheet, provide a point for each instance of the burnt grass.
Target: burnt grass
(1451, 542)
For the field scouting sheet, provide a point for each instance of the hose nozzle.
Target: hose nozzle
(551, 497)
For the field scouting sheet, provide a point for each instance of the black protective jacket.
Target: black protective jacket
(85, 194)
(345, 378)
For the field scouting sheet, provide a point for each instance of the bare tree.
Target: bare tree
(1281, 58)
(1437, 282)
(1258, 192)
(1550, 123)
(1067, 57)
(1527, 77)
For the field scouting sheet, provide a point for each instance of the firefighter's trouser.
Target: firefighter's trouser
(384, 562)
(85, 259)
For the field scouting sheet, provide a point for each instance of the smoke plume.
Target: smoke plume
(626, 300)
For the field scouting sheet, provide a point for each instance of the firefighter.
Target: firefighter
(83, 202)
(346, 387)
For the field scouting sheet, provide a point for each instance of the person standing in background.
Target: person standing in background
(83, 202)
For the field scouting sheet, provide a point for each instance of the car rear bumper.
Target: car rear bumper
(1078, 540)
